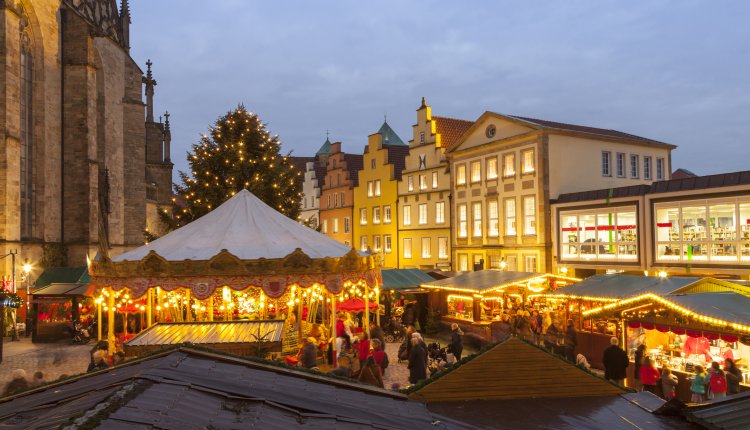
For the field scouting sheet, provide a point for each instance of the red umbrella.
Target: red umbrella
(355, 305)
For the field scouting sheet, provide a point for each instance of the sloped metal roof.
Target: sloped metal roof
(618, 286)
(63, 275)
(727, 306)
(482, 280)
(404, 279)
(730, 414)
(64, 289)
(195, 389)
(210, 332)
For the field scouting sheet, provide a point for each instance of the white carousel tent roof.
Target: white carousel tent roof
(244, 226)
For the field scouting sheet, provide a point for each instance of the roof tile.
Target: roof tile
(450, 129)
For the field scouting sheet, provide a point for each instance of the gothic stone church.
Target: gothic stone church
(81, 154)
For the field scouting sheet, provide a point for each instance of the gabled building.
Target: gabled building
(505, 170)
(314, 174)
(376, 196)
(336, 196)
(424, 192)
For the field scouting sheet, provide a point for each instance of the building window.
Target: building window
(439, 212)
(462, 221)
(422, 182)
(377, 188)
(510, 217)
(529, 215)
(363, 243)
(328, 201)
(463, 262)
(372, 163)
(659, 169)
(347, 224)
(376, 215)
(634, 166)
(509, 165)
(407, 215)
(407, 247)
(530, 263)
(461, 174)
(442, 248)
(528, 161)
(620, 165)
(421, 137)
(363, 216)
(476, 172)
(422, 214)
(376, 243)
(426, 251)
(342, 199)
(338, 179)
(477, 227)
(599, 234)
(606, 163)
(335, 200)
(324, 226)
(387, 243)
(370, 188)
(492, 168)
(387, 214)
(512, 263)
(335, 225)
(334, 165)
(646, 167)
(434, 180)
(493, 226)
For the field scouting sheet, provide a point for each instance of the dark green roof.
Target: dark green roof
(63, 275)
(325, 148)
(389, 137)
(404, 279)
(63, 289)
(620, 286)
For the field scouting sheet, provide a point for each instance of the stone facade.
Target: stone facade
(73, 164)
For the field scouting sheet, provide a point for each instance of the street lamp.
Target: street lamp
(27, 270)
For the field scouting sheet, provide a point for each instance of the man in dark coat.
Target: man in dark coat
(571, 342)
(615, 362)
(417, 362)
(308, 357)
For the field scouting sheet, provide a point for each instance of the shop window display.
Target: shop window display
(461, 307)
(704, 231)
(605, 234)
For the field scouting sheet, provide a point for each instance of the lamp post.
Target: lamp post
(27, 270)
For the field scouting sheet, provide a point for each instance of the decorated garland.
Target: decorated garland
(10, 300)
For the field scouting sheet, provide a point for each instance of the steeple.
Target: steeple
(167, 138)
(125, 23)
(150, 83)
(389, 137)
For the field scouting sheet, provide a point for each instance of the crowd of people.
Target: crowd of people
(714, 383)
(19, 381)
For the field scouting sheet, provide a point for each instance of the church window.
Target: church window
(27, 139)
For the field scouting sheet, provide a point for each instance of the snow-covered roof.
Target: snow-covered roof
(244, 226)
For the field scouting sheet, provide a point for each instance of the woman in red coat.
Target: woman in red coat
(378, 354)
(649, 375)
(364, 349)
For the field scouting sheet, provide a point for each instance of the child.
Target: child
(649, 375)
(668, 383)
(698, 385)
(717, 382)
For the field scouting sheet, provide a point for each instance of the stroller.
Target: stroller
(437, 358)
(394, 331)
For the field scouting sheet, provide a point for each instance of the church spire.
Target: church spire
(125, 23)
(150, 83)
(167, 138)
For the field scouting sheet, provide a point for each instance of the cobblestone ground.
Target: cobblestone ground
(53, 359)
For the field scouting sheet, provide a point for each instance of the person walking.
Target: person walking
(550, 338)
(698, 385)
(717, 382)
(417, 361)
(649, 375)
(308, 354)
(639, 352)
(668, 383)
(536, 326)
(571, 341)
(734, 376)
(616, 362)
(456, 346)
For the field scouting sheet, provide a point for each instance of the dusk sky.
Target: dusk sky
(674, 71)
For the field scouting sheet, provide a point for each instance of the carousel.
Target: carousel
(242, 261)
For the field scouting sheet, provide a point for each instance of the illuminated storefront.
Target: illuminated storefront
(606, 234)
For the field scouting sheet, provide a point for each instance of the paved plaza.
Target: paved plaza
(53, 359)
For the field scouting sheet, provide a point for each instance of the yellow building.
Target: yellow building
(505, 170)
(375, 198)
(424, 193)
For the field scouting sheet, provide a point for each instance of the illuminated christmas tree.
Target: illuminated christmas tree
(238, 153)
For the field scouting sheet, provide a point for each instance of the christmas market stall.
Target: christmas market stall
(61, 296)
(484, 303)
(402, 297)
(241, 261)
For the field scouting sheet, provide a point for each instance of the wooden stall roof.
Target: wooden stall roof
(617, 287)
(404, 279)
(64, 289)
(210, 333)
(515, 369)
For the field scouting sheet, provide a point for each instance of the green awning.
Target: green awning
(63, 289)
(63, 275)
(404, 279)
